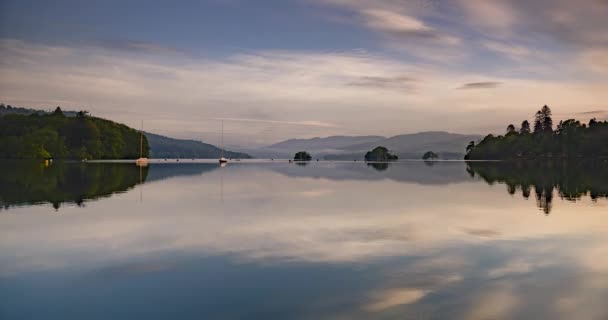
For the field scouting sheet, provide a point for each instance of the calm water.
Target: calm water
(324, 240)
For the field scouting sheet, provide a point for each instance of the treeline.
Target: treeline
(570, 139)
(8, 109)
(55, 135)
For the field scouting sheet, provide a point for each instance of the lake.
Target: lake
(325, 240)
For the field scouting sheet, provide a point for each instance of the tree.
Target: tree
(470, 146)
(82, 113)
(592, 122)
(525, 127)
(511, 129)
(380, 154)
(538, 122)
(430, 155)
(58, 112)
(302, 156)
(547, 121)
(548, 125)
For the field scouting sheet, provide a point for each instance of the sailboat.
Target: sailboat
(141, 161)
(223, 160)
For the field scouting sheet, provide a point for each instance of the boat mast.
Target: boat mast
(141, 140)
(222, 138)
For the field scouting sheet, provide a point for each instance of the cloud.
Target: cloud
(396, 297)
(401, 26)
(282, 94)
(480, 85)
(593, 112)
(138, 47)
(496, 14)
(486, 233)
(596, 60)
(573, 23)
(311, 123)
(509, 50)
(398, 82)
(397, 22)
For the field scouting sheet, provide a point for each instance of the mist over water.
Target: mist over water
(479, 240)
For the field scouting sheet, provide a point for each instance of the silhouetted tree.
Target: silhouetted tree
(525, 127)
(547, 120)
(470, 146)
(511, 129)
(302, 156)
(82, 113)
(380, 154)
(430, 155)
(538, 122)
(58, 112)
(571, 139)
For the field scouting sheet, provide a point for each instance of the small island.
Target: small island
(430, 155)
(302, 156)
(380, 154)
(570, 140)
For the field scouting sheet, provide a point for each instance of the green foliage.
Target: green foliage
(380, 154)
(302, 156)
(429, 155)
(571, 139)
(54, 135)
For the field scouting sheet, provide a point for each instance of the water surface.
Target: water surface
(267, 240)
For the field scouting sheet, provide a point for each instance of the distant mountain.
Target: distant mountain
(406, 146)
(333, 142)
(437, 141)
(165, 147)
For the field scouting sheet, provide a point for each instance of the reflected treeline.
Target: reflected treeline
(434, 173)
(380, 166)
(25, 182)
(571, 180)
(162, 171)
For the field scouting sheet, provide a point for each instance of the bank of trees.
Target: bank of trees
(380, 154)
(55, 135)
(569, 139)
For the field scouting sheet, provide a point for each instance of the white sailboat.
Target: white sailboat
(223, 160)
(141, 161)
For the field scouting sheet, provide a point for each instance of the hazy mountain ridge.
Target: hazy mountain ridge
(406, 146)
(165, 147)
(331, 142)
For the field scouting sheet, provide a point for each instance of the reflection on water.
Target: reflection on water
(326, 240)
(571, 180)
(27, 182)
(380, 166)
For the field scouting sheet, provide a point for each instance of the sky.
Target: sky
(283, 69)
